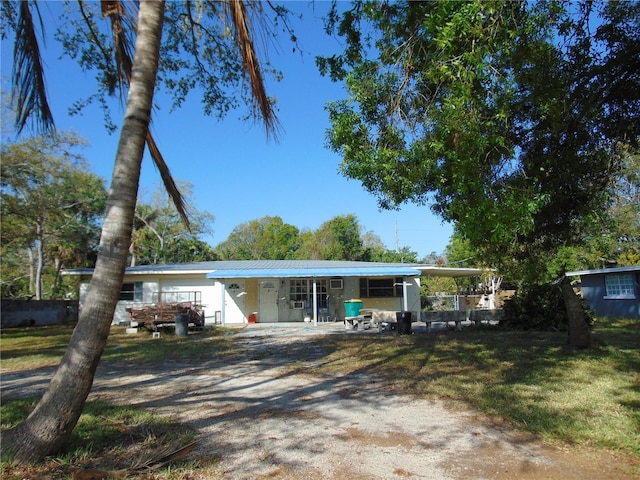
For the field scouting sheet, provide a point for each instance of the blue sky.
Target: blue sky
(238, 174)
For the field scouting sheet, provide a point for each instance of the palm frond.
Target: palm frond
(120, 27)
(29, 90)
(240, 20)
(167, 179)
(114, 10)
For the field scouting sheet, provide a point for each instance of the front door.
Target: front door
(268, 304)
(235, 300)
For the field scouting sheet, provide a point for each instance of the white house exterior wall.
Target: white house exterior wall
(351, 287)
(82, 294)
(212, 297)
(351, 290)
(152, 284)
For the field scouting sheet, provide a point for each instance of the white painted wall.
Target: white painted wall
(212, 296)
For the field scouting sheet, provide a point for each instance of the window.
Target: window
(301, 290)
(298, 290)
(131, 292)
(619, 286)
(380, 287)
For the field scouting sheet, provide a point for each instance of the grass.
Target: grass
(26, 348)
(111, 436)
(531, 380)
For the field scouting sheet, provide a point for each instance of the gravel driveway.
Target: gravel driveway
(264, 421)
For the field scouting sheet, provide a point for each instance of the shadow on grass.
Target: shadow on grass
(42, 344)
(532, 379)
(112, 436)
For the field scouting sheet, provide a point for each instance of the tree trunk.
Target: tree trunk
(132, 253)
(579, 330)
(32, 271)
(53, 419)
(56, 277)
(39, 262)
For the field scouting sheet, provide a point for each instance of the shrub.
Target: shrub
(538, 307)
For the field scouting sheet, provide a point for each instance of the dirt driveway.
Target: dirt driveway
(265, 422)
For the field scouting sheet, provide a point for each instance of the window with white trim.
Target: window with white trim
(619, 285)
(131, 292)
(301, 290)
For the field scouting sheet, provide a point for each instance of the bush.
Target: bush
(537, 307)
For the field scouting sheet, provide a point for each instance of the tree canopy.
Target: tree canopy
(339, 238)
(52, 206)
(266, 238)
(507, 117)
(159, 235)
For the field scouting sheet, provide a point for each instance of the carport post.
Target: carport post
(224, 288)
(315, 302)
(405, 299)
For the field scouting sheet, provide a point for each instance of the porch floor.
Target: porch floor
(322, 328)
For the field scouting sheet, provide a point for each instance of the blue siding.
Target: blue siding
(594, 292)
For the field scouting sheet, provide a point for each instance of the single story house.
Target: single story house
(611, 292)
(270, 291)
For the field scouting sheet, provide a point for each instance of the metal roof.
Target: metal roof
(291, 268)
(361, 271)
(158, 269)
(604, 270)
(450, 272)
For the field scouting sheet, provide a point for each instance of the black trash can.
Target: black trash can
(404, 322)
(182, 324)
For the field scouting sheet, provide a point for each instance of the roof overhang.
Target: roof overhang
(382, 271)
(158, 270)
(293, 269)
(434, 271)
(603, 271)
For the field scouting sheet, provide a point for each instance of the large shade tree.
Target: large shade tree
(504, 116)
(266, 238)
(51, 208)
(336, 239)
(160, 236)
(340, 238)
(615, 238)
(193, 29)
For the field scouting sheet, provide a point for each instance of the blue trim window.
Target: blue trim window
(619, 286)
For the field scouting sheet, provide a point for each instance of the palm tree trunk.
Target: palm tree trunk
(53, 419)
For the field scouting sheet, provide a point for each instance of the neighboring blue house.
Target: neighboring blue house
(611, 292)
